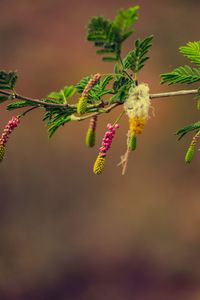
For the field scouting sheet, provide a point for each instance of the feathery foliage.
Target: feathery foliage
(136, 58)
(187, 75)
(98, 91)
(109, 35)
(62, 96)
(189, 128)
(56, 118)
(183, 74)
(98, 95)
(7, 80)
(192, 52)
(19, 104)
(125, 19)
(121, 87)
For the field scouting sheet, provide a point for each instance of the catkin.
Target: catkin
(82, 105)
(2, 152)
(190, 154)
(99, 165)
(132, 141)
(90, 138)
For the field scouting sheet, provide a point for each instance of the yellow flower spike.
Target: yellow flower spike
(82, 105)
(190, 154)
(137, 125)
(2, 152)
(90, 138)
(132, 142)
(99, 165)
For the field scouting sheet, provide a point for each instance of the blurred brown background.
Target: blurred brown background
(65, 233)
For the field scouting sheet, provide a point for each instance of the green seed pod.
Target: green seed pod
(99, 165)
(198, 104)
(132, 142)
(82, 106)
(90, 138)
(189, 154)
(2, 152)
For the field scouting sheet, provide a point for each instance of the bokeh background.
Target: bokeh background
(65, 233)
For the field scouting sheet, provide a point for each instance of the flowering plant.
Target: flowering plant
(101, 93)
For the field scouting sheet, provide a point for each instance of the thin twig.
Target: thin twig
(27, 111)
(171, 94)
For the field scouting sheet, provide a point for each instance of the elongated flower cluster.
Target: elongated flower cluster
(105, 146)
(82, 103)
(2, 152)
(191, 150)
(137, 107)
(12, 124)
(131, 141)
(92, 82)
(90, 135)
(137, 104)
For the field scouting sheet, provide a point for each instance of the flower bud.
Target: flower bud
(190, 154)
(132, 142)
(90, 138)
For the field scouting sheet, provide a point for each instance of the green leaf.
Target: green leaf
(109, 59)
(121, 87)
(3, 98)
(56, 117)
(63, 95)
(109, 35)
(20, 104)
(120, 82)
(103, 33)
(192, 127)
(125, 19)
(80, 86)
(181, 75)
(137, 57)
(98, 91)
(58, 121)
(69, 91)
(105, 81)
(192, 52)
(7, 80)
(117, 69)
(55, 96)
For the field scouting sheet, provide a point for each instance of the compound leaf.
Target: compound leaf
(136, 58)
(184, 74)
(192, 52)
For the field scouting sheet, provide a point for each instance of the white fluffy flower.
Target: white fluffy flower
(138, 102)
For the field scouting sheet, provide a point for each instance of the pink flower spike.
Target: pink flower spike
(109, 125)
(107, 139)
(11, 125)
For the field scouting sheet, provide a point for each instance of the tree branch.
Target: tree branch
(102, 111)
(152, 96)
(99, 106)
(39, 102)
